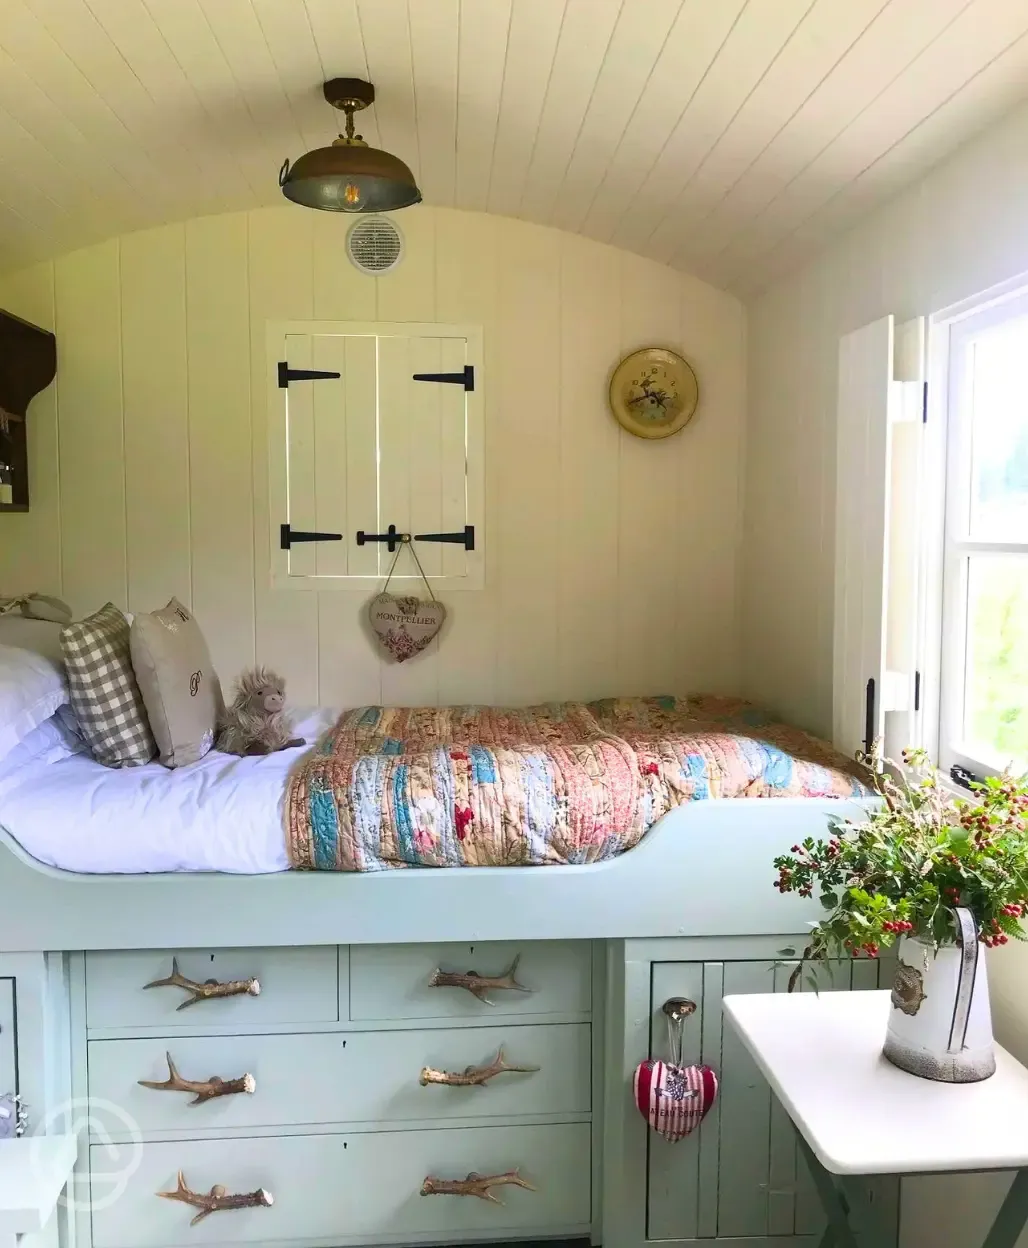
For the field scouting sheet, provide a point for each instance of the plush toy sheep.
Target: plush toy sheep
(256, 722)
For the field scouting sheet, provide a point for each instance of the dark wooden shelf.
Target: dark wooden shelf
(14, 506)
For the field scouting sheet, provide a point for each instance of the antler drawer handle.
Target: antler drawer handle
(217, 1199)
(475, 1185)
(208, 989)
(204, 1089)
(474, 1076)
(479, 985)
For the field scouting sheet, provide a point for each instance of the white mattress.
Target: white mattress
(220, 814)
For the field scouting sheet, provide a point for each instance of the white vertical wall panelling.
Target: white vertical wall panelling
(134, 39)
(281, 287)
(30, 552)
(980, 30)
(651, 554)
(349, 665)
(157, 513)
(633, 47)
(408, 293)
(92, 445)
(527, 454)
(434, 42)
(825, 35)
(584, 37)
(861, 538)
(289, 40)
(385, 27)
(253, 74)
(887, 47)
(531, 47)
(708, 490)
(483, 54)
(337, 34)
(694, 41)
(742, 62)
(194, 47)
(552, 308)
(114, 120)
(467, 282)
(220, 456)
(589, 518)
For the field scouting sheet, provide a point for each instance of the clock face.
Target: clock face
(653, 393)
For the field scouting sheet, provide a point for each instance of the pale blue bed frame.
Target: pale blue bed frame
(703, 870)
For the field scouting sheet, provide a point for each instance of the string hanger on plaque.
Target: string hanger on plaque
(405, 625)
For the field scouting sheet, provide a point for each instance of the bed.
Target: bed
(560, 784)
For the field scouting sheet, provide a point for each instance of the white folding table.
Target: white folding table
(33, 1173)
(858, 1115)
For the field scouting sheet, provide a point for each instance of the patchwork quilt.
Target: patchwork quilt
(571, 782)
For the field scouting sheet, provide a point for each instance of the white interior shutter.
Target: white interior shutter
(876, 548)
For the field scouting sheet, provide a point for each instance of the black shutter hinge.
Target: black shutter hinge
(963, 777)
(917, 691)
(287, 374)
(288, 537)
(466, 378)
(465, 538)
(924, 404)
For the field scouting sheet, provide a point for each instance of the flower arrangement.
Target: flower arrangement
(900, 870)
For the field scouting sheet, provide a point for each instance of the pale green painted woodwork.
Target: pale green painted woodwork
(355, 1185)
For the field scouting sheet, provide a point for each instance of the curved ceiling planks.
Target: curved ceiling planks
(728, 139)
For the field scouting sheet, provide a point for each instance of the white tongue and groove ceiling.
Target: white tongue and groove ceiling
(730, 138)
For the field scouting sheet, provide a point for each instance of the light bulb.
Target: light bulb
(352, 198)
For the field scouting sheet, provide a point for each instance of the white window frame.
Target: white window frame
(947, 546)
(276, 333)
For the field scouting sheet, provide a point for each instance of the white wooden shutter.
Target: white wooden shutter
(359, 441)
(880, 404)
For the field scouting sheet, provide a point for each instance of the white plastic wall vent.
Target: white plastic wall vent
(374, 244)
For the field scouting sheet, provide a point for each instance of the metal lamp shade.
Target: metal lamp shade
(349, 178)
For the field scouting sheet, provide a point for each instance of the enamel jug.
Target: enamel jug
(940, 1025)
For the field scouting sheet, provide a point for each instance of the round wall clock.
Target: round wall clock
(653, 393)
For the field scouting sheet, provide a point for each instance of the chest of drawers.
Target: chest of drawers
(338, 1095)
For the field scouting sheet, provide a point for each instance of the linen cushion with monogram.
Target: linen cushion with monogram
(178, 684)
(102, 687)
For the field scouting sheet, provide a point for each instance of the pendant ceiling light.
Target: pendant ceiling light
(349, 176)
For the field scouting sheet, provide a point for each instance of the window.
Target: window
(983, 668)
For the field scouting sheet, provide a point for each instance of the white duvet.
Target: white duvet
(220, 814)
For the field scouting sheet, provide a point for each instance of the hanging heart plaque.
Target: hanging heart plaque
(405, 626)
(673, 1099)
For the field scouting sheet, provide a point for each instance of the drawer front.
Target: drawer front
(360, 1077)
(269, 986)
(431, 981)
(362, 1185)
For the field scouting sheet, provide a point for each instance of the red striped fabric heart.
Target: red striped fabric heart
(674, 1100)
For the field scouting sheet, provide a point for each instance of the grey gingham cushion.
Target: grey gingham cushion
(103, 691)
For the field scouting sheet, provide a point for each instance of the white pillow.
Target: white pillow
(31, 689)
(51, 742)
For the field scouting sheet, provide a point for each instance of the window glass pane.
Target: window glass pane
(996, 673)
(999, 434)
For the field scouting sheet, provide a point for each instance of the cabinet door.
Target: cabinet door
(740, 1174)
